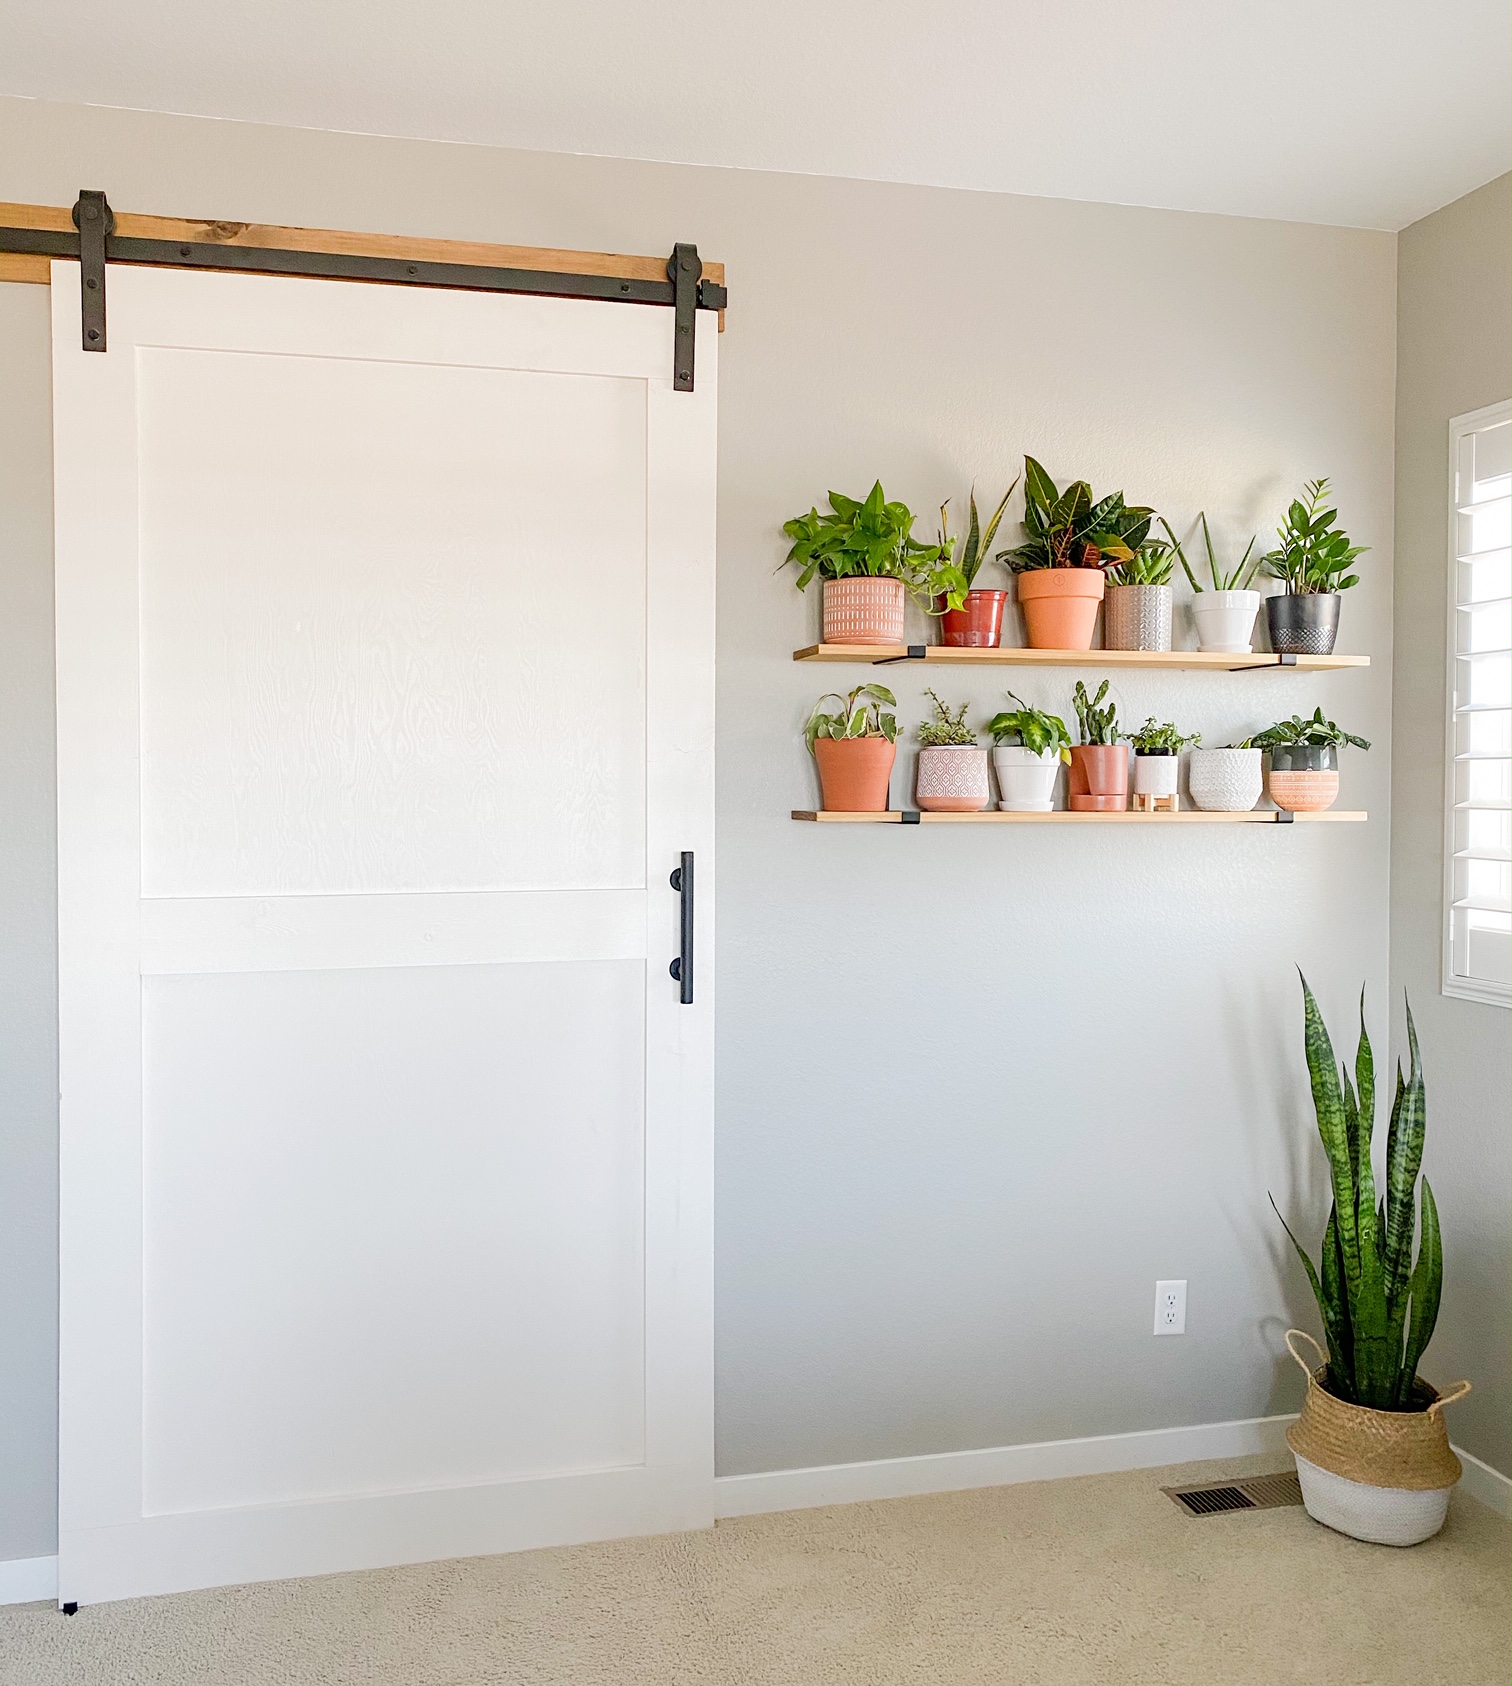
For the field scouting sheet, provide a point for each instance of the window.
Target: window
(1478, 791)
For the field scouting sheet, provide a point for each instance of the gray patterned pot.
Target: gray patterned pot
(1303, 626)
(1137, 617)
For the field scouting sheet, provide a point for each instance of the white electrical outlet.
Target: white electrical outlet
(1170, 1308)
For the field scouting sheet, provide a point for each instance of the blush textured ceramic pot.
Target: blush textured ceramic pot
(1225, 620)
(952, 779)
(1060, 606)
(1156, 774)
(1382, 1476)
(1026, 781)
(977, 624)
(1099, 777)
(1305, 625)
(1137, 617)
(863, 611)
(1304, 777)
(854, 773)
(1225, 781)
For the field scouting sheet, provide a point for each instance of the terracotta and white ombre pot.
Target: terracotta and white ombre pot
(863, 611)
(854, 773)
(1225, 781)
(1225, 620)
(1026, 781)
(1060, 606)
(952, 779)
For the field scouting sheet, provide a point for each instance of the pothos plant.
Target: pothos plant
(1099, 725)
(870, 537)
(1312, 555)
(1378, 1307)
(1036, 731)
(1072, 529)
(860, 715)
(948, 729)
(1310, 729)
(1161, 738)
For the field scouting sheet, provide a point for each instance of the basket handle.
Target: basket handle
(1458, 1391)
(1307, 1368)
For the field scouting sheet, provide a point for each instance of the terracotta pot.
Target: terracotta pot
(1099, 777)
(1226, 781)
(1304, 778)
(952, 779)
(1060, 606)
(978, 625)
(854, 773)
(1138, 617)
(863, 611)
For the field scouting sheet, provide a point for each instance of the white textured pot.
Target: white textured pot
(1156, 775)
(1026, 781)
(1225, 620)
(952, 779)
(1225, 781)
(1394, 1516)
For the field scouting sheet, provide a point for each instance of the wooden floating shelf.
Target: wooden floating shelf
(941, 655)
(1064, 816)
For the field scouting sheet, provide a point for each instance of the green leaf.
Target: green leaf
(1039, 488)
(1427, 1288)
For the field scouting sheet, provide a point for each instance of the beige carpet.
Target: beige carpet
(1063, 1583)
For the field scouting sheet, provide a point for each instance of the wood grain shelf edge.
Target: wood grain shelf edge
(1064, 816)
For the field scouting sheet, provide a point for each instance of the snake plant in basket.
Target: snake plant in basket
(1372, 1452)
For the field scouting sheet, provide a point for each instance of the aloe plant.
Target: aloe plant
(1237, 578)
(1378, 1307)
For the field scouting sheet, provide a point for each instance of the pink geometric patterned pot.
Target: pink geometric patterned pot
(863, 611)
(952, 779)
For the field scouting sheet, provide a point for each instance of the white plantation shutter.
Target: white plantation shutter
(1478, 824)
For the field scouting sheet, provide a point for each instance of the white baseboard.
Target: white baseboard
(998, 1466)
(1490, 1486)
(28, 1580)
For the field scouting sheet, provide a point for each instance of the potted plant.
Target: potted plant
(1137, 608)
(1225, 614)
(866, 556)
(952, 772)
(976, 622)
(1029, 746)
(1313, 557)
(1228, 780)
(1070, 537)
(1157, 747)
(1099, 763)
(1373, 1455)
(1304, 761)
(854, 747)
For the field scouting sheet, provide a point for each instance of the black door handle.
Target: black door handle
(682, 967)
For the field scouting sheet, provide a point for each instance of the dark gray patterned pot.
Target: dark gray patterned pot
(1303, 626)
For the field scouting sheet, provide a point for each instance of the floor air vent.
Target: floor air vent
(1258, 1492)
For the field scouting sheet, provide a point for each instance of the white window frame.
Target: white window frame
(1452, 983)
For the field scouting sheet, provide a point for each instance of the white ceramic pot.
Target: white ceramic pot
(1026, 781)
(952, 779)
(1225, 620)
(1156, 775)
(1226, 781)
(1395, 1516)
(862, 610)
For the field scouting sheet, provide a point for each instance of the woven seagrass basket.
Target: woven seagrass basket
(1376, 1475)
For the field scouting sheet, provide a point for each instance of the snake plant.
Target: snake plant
(1378, 1307)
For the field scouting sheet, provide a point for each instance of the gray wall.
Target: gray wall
(978, 1089)
(1452, 357)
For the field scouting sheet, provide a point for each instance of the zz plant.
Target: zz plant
(1098, 725)
(1312, 554)
(1378, 1306)
(860, 715)
(1071, 529)
(1037, 731)
(866, 537)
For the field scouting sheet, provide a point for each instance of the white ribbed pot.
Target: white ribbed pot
(1225, 781)
(1156, 775)
(863, 611)
(1026, 780)
(1225, 620)
(952, 779)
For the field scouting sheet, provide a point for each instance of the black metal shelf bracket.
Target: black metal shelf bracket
(96, 244)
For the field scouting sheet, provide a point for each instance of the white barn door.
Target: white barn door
(385, 708)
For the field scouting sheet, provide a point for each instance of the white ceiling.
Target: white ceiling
(1363, 112)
